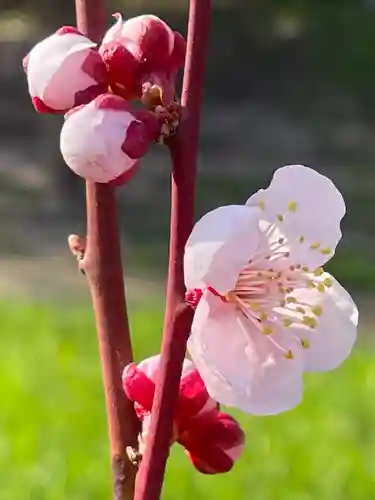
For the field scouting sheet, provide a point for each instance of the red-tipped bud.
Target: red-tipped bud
(212, 440)
(140, 53)
(219, 445)
(102, 141)
(63, 71)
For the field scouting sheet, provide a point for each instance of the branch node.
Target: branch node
(134, 455)
(77, 245)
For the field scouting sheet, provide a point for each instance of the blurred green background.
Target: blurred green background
(287, 82)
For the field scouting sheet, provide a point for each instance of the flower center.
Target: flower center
(264, 291)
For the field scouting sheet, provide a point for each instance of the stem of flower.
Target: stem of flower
(102, 265)
(178, 316)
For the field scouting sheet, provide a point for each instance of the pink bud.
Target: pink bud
(213, 440)
(214, 447)
(141, 53)
(103, 140)
(147, 37)
(63, 71)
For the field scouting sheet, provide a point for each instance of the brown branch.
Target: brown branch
(178, 318)
(102, 265)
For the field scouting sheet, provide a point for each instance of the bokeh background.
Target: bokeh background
(288, 81)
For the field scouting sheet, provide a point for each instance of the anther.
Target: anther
(318, 271)
(317, 310)
(326, 251)
(305, 343)
(292, 207)
(315, 246)
(267, 330)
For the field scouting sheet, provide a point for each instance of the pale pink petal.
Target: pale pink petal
(307, 208)
(61, 67)
(221, 243)
(92, 139)
(150, 366)
(331, 342)
(242, 367)
(153, 36)
(302, 251)
(114, 31)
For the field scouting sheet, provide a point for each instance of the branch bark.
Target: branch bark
(102, 265)
(178, 316)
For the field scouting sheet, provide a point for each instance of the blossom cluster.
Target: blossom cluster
(266, 312)
(103, 136)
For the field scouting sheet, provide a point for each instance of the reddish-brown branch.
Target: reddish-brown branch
(178, 317)
(102, 265)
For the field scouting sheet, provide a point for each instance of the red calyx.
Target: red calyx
(194, 296)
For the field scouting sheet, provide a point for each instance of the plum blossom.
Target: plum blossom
(266, 311)
(63, 71)
(151, 52)
(213, 440)
(103, 140)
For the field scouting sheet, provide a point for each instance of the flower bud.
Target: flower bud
(63, 71)
(215, 447)
(141, 53)
(213, 440)
(103, 140)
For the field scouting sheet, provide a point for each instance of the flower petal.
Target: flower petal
(242, 367)
(150, 366)
(331, 342)
(307, 208)
(221, 243)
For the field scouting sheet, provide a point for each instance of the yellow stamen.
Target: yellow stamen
(309, 321)
(317, 310)
(315, 246)
(291, 300)
(318, 271)
(292, 207)
(305, 343)
(254, 306)
(262, 204)
(280, 218)
(287, 322)
(327, 282)
(267, 330)
(326, 251)
(321, 288)
(301, 239)
(289, 355)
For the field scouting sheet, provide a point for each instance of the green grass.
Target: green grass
(53, 442)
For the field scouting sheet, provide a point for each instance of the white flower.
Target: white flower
(268, 311)
(64, 70)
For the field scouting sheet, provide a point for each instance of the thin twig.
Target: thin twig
(101, 263)
(178, 317)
